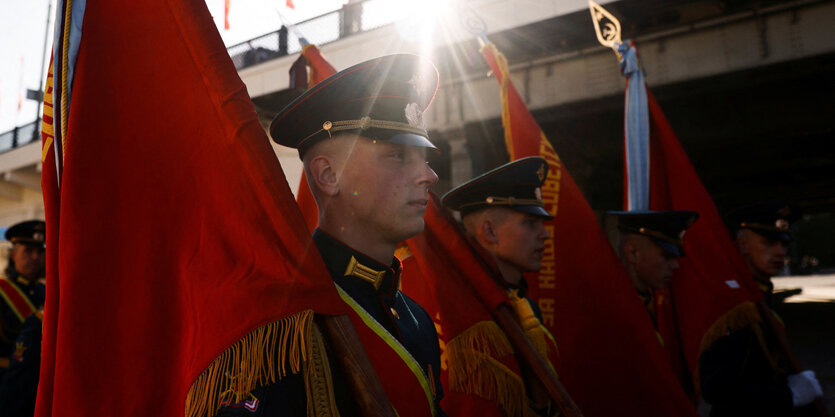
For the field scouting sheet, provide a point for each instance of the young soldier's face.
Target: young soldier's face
(765, 257)
(386, 188)
(654, 266)
(520, 241)
(29, 261)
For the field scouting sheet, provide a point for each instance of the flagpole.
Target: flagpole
(347, 349)
(38, 115)
(545, 375)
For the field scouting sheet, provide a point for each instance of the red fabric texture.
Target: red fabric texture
(319, 70)
(610, 360)
(226, 14)
(173, 233)
(699, 293)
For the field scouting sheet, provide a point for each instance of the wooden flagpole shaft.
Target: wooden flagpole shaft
(362, 380)
(783, 342)
(506, 319)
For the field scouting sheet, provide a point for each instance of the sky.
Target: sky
(23, 28)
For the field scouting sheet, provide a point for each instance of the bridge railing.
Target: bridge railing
(351, 19)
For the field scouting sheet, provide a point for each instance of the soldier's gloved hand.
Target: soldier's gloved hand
(805, 388)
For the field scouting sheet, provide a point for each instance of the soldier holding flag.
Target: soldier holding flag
(361, 137)
(504, 212)
(746, 371)
(649, 245)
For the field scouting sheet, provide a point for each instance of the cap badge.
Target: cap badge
(681, 235)
(540, 173)
(782, 224)
(414, 115)
(538, 193)
(38, 236)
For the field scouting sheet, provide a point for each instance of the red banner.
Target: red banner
(713, 268)
(172, 230)
(610, 360)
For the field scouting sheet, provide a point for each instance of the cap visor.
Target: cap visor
(411, 139)
(775, 235)
(670, 248)
(535, 210)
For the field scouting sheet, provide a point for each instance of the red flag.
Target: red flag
(445, 262)
(20, 86)
(175, 246)
(290, 4)
(319, 70)
(610, 359)
(226, 14)
(713, 268)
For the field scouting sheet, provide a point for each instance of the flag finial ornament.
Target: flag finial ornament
(606, 26)
(473, 23)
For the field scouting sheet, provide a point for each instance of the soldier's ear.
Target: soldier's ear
(630, 251)
(742, 244)
(323, 175)
(488, 231)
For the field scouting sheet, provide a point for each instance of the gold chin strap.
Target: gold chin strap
(363, 124)
(364, 273)
(507, 201)
(652, 233)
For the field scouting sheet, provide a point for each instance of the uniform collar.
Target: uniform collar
(767, 288)
(352, 269)
(521, 288)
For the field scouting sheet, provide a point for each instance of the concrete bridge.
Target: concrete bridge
(747, 86)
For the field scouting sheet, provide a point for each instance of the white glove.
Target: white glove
(805, 388)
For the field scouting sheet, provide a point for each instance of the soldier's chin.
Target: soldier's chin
(414, 228)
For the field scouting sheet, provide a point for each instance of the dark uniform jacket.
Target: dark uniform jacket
(744, 375)
(19, 384)
(398, 314)
(10, 324)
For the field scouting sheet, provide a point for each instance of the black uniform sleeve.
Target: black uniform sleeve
(286, 397)
(737, 379)
(19, 385)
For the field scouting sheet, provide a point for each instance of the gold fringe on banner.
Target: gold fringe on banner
(742, 315)
(261, 357)
(474, 368)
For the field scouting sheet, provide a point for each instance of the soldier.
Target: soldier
(649, 246)
(504, 212)
(745, 372)
(21, 290)
(361, 137)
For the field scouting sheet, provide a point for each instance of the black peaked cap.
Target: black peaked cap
(771, 220)
(381, 99)
(30, 232)
(665, 228)
(516, 185)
